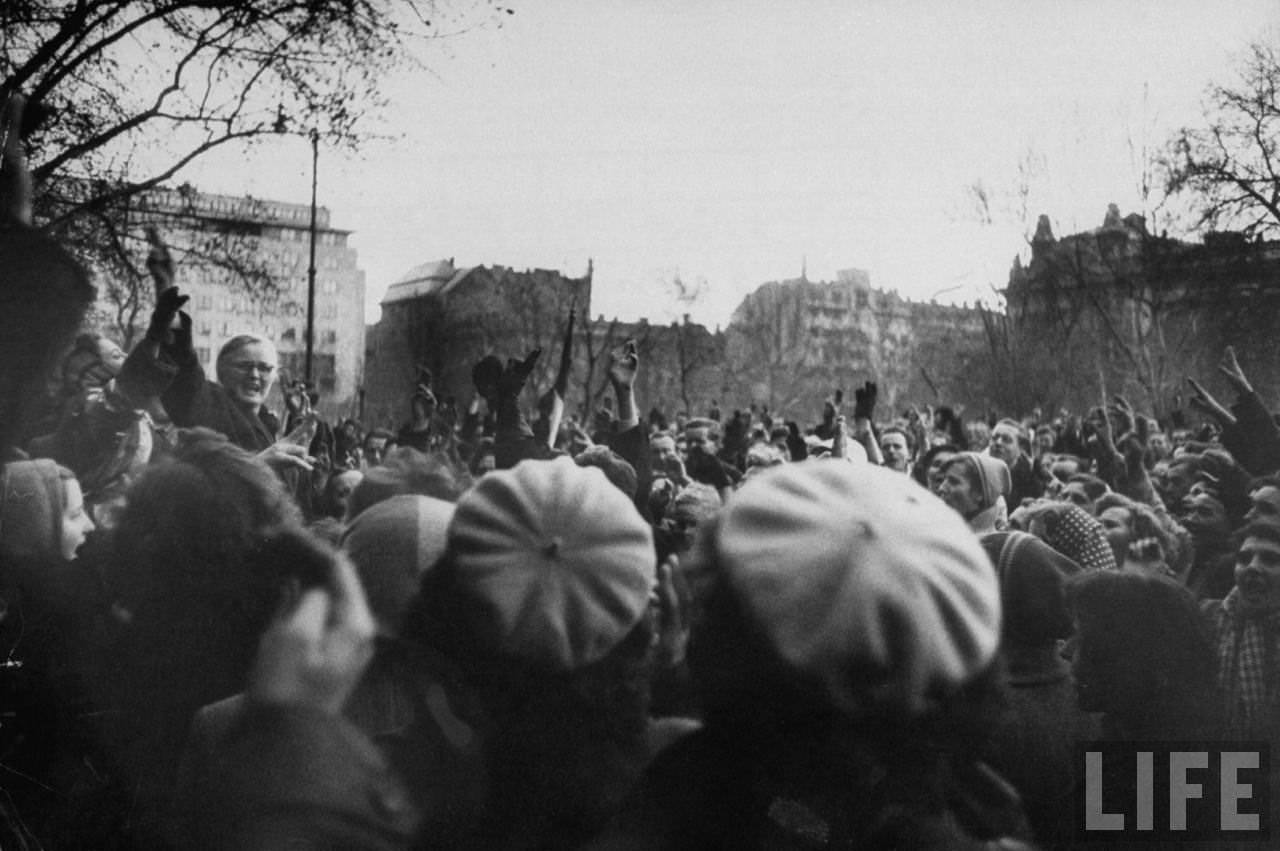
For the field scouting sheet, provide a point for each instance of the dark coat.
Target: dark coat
(707, 792)
(193, 400)
(1034, 740)
(412, 707)
(1026, 484)
(290, 778)
(1254, 439)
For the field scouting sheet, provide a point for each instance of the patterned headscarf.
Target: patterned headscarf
(1079, 536)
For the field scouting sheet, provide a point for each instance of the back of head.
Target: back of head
(1032, 576)
(542, 598)
(851, 588)
(1148, 627)
(405, 470)
(1093, 486)
(615, 468)
(191, 519)
(712, 426)
(44, 294)
(392, 545)
(548, 565)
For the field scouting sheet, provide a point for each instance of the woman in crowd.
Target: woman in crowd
(975, 485)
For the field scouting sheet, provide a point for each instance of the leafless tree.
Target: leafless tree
(1228, 166)
(122, 96)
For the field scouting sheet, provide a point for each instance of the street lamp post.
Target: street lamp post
(311, 269)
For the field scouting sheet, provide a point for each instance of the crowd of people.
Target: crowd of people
(499, 627)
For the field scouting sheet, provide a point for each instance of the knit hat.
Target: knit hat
(858, 581)
(392, 544)
(31, 515)
(1031, 576)
(1079, 536)
(992, 474)
(548, 563)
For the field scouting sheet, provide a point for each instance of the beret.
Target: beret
(858, 580)
(550, 563)
(392, 544)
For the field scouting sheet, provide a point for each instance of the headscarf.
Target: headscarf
(994, 483)
(1079, 536)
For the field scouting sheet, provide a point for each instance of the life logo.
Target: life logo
(1174, 791)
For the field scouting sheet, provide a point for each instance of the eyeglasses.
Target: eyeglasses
(249, 367)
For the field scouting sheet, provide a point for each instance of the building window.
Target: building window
(206, 329)
(203, 354)
(289, 336)
(204, 302)
(329, 337)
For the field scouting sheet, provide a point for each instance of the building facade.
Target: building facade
(1138, 312)
(446, 318)
(791, 344)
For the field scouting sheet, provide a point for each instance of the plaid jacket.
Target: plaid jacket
(1248, 667)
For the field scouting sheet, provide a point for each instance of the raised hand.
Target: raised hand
(1203, 401)
(673, 602)
(566, 355)
(1230, 369)
(1144, 555)
(864, 401)
(1121, 414)
(840, 442)
(313, 655)
(525, 367)
(159, 262)
(516, 374)
(168, 305)
(1103, 436)
(15, 179)
(624, 364)
(284, 455)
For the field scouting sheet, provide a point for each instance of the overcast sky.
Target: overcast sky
(732, 141)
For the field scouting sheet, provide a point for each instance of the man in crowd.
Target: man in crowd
(1006, 444)
(702, 445)
(895, 444)
(1247, 626)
